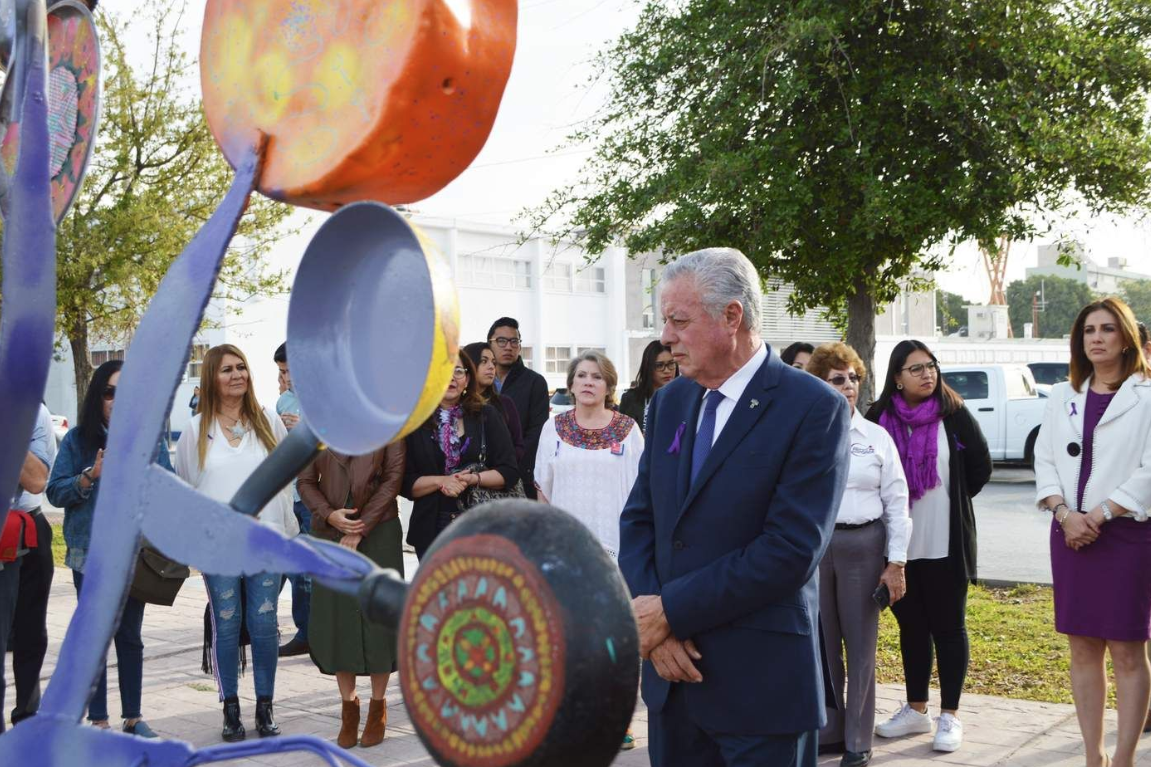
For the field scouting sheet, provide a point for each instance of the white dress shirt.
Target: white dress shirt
(876, 486)
(732, 390)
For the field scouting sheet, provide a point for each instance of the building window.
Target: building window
(196, 360)
(592, 279)
(526, 353)
(104, 355)
(494, 272)
(557, 359)
(558, 277)
(647, 286)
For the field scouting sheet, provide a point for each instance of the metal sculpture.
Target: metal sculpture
(555, 635)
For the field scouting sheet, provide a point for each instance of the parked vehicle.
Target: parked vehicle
(1005, 402)
(59, 427)
(561, 402)
(1050, 373)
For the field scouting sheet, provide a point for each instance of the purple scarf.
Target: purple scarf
(919, 450)
(448, 438)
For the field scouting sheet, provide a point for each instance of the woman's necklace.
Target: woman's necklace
(237, 429)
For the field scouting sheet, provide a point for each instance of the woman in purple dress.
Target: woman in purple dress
(1093, 472)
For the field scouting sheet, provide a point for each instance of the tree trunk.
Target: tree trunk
(81, 362)
(861, 337)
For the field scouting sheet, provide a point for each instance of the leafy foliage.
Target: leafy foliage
(838, 144)
(950, 311)
(155, 178)
(1137, 294)
(1064, 298)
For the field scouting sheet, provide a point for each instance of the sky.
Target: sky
(548, 95)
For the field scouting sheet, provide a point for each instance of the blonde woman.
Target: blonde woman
(223, 444)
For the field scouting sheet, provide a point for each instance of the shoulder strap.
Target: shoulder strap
(483, 440)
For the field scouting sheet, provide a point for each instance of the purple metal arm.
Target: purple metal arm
(28, 317)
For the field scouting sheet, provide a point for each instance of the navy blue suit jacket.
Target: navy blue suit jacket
(735, 555)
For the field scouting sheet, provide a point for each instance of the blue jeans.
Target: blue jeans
(129, 660)
(301, 583)
(262, 592)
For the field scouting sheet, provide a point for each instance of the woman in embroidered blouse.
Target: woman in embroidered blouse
(656, 370)
(588, 457)
(223, 444)
(1093, 472)
(946, 462)
(456, 435)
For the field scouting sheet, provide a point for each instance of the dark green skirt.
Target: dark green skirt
(340, 638)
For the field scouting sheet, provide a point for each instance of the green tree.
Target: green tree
(1137, 294)
(842, 145)
(950, 311)
(1062, 300)
(156, 176)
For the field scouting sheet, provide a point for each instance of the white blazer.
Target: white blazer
(1121, 448)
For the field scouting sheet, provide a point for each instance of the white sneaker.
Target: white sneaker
(948, 733)
(905, 721)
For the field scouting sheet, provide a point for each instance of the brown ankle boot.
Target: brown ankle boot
(377, 721)
(349, 723)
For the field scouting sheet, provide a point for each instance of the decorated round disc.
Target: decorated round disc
(481, 653)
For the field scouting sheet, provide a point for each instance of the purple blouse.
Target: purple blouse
(1093, 411)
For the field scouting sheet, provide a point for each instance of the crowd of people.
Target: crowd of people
(761, 515)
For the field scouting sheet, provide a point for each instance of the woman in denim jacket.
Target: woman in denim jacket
(73, 486)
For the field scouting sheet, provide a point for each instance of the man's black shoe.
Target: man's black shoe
(853, 759)
(296, 646)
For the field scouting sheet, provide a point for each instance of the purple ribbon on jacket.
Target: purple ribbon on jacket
(674, 449)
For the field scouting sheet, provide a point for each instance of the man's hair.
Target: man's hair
(503, 322)
(1144, 336)
(281, 354)
(722, 275)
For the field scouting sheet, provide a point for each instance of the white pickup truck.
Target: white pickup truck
(1005, 402)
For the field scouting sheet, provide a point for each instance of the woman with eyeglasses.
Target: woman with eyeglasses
(74, 486)
(484, 359)
(868, 551)
(463, 431)
(657, 368)
(1093, 473)
(946, 462)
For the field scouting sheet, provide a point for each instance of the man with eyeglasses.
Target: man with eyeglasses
(526, 388)
(28, 608)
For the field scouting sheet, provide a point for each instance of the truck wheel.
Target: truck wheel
(1029, 450)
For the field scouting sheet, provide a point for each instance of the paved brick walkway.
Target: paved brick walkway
(180, 702)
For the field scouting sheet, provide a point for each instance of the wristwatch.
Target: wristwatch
(88, 473)
(1107, 515)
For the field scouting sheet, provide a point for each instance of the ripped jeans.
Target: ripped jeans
(262, 593)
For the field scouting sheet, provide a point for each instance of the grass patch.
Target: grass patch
(201, 687)
(1015, 651)
(58, 547)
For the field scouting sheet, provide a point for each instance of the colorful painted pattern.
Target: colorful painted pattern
(482, 652)
(611, 436)
(74, 66)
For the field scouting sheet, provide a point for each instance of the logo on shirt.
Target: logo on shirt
(859, 450)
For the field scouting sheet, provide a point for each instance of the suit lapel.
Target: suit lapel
(687, 442)
(1125, 399)
(741, 421)
(1073, 405)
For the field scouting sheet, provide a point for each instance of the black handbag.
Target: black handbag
(158, 579)
(475, 496)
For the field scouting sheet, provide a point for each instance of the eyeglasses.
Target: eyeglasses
(662, 366)
(922, 369)
(504, 343)
(109, 393)
(459, 372)
(840, 380)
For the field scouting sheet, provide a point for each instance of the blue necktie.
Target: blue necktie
(706, 433)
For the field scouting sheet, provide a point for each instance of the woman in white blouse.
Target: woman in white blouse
(588, 457)
(221, 447)
(872, 523)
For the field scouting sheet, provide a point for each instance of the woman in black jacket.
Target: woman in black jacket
(945, 467)
(657, 368)
(462, 431)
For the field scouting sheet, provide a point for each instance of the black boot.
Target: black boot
(233, 727)
(265, 724)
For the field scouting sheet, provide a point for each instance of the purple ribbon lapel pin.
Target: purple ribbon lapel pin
(674, 449)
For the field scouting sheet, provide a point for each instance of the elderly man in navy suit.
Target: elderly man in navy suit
(742, 472)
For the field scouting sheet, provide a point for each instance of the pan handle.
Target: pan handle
(288, 459)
